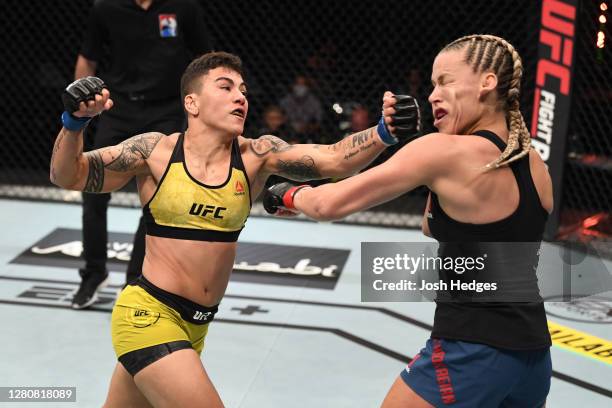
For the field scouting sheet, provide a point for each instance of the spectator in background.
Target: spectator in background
(360, 119)
(142, 48)
(275, 123)
(352, 118)
(303, 109)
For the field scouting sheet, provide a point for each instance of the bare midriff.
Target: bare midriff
(196, 270)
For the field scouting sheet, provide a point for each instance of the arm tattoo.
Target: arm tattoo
(133, 150)
(300, 170)
(359, 142)
(267, 144)
(95, 177)
(58, 143)
(56, 147)
(361, 137)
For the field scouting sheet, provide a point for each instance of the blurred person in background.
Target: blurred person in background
(140, 48)
(275, 123)
(303, 109)
(360, 119)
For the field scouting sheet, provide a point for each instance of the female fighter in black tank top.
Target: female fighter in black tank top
(508, 325)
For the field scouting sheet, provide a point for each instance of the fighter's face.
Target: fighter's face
(455, 99)
(222, 100)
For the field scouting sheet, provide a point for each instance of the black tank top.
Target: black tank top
(516, 326)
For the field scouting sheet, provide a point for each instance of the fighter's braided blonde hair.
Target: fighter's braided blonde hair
(490, 53)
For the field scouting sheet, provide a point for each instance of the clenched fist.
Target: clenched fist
(86, 97)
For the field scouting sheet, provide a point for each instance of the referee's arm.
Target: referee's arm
(84, 67)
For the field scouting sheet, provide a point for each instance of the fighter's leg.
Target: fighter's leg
(178, 380)
(123, 392)
(402, 396)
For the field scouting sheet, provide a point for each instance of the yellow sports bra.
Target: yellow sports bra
(184, 208)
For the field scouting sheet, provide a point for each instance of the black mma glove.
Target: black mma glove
(81, 90)
(406, 120)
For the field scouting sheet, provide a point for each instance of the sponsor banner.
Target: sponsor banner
(479, 271)
(257, 263)
(552, 96)
(582, 343)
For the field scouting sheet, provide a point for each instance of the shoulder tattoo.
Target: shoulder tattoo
(269, 144)
(133, 150)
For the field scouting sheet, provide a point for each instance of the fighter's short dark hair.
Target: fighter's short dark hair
(190, 81)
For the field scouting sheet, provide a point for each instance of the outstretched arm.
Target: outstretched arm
(310, 161)
(418, 163)
(84, 67)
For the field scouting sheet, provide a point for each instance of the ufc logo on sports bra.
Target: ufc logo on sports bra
(206, 210)
(201, 316)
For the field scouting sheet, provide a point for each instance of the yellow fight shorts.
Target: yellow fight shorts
(149, 323)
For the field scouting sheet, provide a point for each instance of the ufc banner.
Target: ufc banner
(551, 105)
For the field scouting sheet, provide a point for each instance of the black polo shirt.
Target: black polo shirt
(147, 50)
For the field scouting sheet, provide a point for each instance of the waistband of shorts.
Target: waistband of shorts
(189, 311)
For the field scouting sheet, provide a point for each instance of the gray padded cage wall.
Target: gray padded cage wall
(351, 50)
